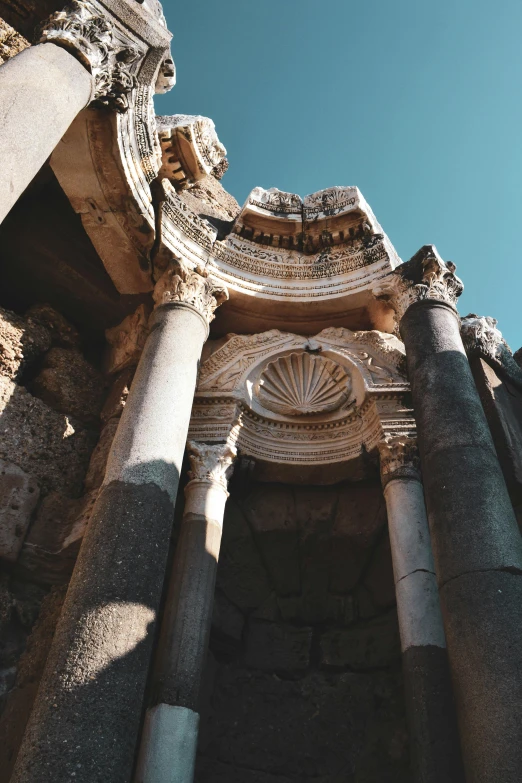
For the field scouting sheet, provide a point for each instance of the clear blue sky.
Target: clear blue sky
(417, 103)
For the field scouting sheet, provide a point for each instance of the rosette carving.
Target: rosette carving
(211, 462)
(425, 276)
(178, 284)
(303, 384)
(89, 35)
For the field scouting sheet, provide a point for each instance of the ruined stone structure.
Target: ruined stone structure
(259, 481)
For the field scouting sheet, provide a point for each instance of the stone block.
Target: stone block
(270, 510)
(19, 493)
(21, 342)
(48, 445)
(379, 576)
(315, 510)
(117, 396)
(69, 384)
(126, 341)
(371, 645)
(227, 621)
(277, 647)
(62, 333)
(241, 574)
(96, 471)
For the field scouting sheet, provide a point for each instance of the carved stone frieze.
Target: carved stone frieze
(399, 458)
(89, 34)
(179, 284)
(190, 148)
(482, 339)
(127, 340)
(424, 277)
(302, 383)
(211, 463)
(306, 402)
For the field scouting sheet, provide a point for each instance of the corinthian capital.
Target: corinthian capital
(179, 284)
(90, 35)
(424, 277)
(211, 463)
(482, 338)
(399, 458)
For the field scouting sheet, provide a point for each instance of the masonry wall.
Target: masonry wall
(303, 680)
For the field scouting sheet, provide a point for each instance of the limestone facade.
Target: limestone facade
(348, 447)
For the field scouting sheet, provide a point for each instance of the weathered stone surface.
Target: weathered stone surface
(270, 510)
(20, 699)
(19, 495)
(370, 645)
(99, 456)
(276, 647)
(227, 621)
(21, 342)
(379, 577)
(69, 384)
(63, 333)
(50, 549)
(241, 574)
(126, 340)
(46, 444)
(315, 510)
(324, 727)
(117, 396)
(361, 513)
(11, 42)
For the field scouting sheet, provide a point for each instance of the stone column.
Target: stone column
(476, 544)
(169, 741)
(78, 59)
(86, 718)
(434, 740)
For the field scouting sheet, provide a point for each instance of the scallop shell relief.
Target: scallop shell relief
(303, 384)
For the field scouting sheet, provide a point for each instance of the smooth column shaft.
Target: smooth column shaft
(170, 734)
(434, 741)
(87, 713)
(42, 90)
(476, 544)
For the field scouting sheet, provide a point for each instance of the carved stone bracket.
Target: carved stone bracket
(179, 284)
(424, 277)
(211, 463)
(190, 148)
(399, 458)
(83, 29)
(482, 339)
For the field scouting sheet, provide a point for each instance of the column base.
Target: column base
(169, 743)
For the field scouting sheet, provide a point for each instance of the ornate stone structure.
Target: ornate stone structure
(284, 339)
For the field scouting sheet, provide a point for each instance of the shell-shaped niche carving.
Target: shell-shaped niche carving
(303, 384)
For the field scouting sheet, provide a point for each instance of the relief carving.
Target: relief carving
(211, 462)
(399, 458)
(190, 148)
(482, 338)
(178, 284)
(424, 277)
(83, 29)
(303, 384)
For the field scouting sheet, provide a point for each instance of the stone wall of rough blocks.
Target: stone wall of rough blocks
(303, 679)
(58, 414)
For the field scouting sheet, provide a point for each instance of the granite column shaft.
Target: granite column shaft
(86, 718)
(434, 739)
(169, 740)
(476, 543)
(42, 89)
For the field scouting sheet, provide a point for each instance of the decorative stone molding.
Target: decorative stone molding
(166, 79)
(424, 277)
(179, 284)
(326, 439)
(211, 463)
(399, 458)
(190, 148)
(302, 383)
(90, 36)
(482, 339)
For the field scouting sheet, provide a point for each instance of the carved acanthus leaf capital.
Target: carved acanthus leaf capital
(399, 458)
(482, 338)
(83, 29)
(179, 284)
(211, 463)
(424, 277)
